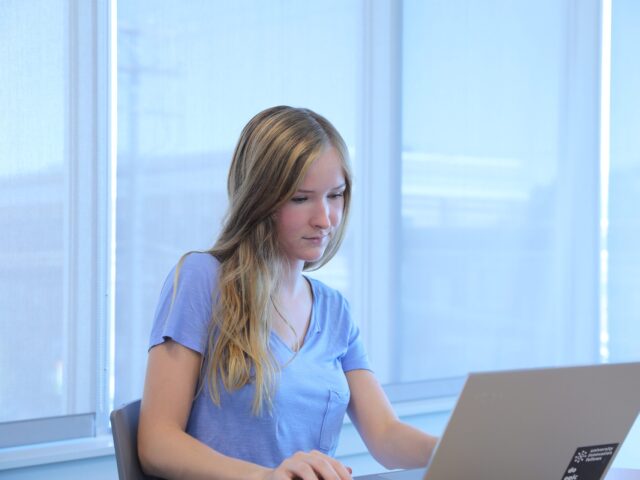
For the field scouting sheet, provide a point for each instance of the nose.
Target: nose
(322, 216)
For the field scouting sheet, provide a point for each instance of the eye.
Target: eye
(336, 195)
(299, 199)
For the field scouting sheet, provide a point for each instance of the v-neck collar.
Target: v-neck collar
(313, 328)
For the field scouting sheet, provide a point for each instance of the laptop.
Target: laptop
(543, 424)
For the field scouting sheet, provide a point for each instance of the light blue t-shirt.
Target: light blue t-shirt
(312, 391)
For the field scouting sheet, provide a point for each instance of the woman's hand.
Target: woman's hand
(313, 465)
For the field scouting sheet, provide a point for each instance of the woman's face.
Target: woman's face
(310, 218)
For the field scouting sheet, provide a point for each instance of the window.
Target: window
(484, 234)
(499, 187)
(53, 221)
(190, 77)
(35, 245)
(623, 245)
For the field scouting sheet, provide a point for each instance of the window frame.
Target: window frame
(93, 156)
(379, 303)
(88, 236)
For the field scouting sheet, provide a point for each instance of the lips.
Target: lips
(319, 239)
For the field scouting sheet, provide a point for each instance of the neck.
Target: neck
(292, 282)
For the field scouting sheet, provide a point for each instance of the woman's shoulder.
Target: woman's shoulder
(186, 300)
(327, 294)
(198, 266)
(197, 260)
(331, 312)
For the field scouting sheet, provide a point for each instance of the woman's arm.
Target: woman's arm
(164, 448)
(392, 443)
(167, 451)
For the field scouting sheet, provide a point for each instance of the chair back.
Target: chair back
(124, 427)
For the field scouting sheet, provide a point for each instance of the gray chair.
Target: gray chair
(124, 428)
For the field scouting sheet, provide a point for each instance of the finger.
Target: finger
(343, 472)
(298, 468)
(329, 468)
(307, 466)
(304, 471)
(323, 469)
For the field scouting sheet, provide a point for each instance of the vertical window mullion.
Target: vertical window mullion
(105, 72)
(379, 175)
(82, 317)
(580, 336)
(605, 161)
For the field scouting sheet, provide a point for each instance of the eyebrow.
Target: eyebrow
(331, 189)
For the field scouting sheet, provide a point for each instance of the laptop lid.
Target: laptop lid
(556, 423)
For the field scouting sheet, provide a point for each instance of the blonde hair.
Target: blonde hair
(273, 154)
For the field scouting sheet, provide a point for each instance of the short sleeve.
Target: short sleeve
(184, 318)
(356, 357)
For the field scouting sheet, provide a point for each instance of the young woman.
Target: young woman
(252, 365)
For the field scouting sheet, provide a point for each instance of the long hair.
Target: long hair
(273, 154)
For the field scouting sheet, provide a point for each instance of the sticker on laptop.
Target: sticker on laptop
(589, 463)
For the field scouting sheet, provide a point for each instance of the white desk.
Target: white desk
(614, 474)
(623, 474)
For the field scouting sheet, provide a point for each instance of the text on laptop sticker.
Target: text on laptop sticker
(589, 463)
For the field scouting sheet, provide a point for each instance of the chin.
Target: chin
(313, 257)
